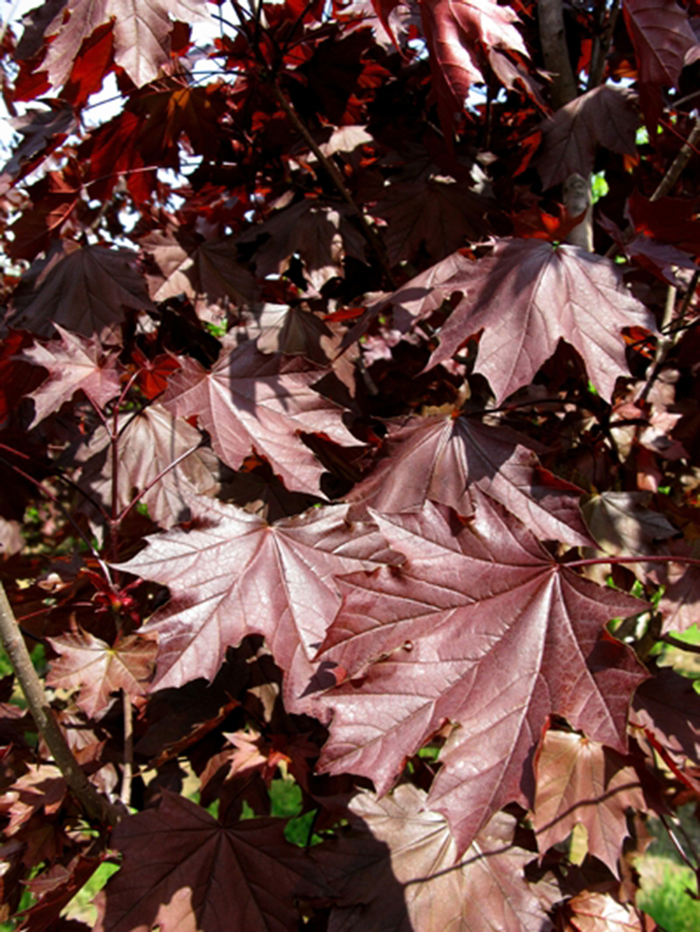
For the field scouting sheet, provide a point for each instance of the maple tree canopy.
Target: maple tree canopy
(349, 458)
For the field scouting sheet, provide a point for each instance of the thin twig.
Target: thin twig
(147, 488)
(127, 769)
(681, 645)
(95, 805)
(681, 160)
(368, 231)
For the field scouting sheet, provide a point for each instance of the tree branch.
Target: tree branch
(550, 17)
(368, 231)
(96, 807)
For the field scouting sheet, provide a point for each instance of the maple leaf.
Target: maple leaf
(54, 889)
(475, 630)
(437, 213)
(399, 869)
(250, 401)
(439, 458)
(183, 870)
(605, 116)
(457, 33)
(151, 441)
(207, 271)
(42, 787)
(662, 36)
(74, 364)
(141, 34)
(621, 524)
(321, 234)
(258, 578)
(669, 707)
(84, 289)
(581, 782)
(89, 664)
(526, 296)
(600, 912)
(42, 131)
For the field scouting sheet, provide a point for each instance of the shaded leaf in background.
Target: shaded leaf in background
(605, 116)
(414, 880)
(475, 630)
(439, 458)
(182, 870)
(669, 706)
(621, 523)
(152, 440)
(582, 782)
(82, 288)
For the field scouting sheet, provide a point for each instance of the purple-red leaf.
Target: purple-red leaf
(184, 871)
(440, 458)
(483, 629)
(250, 401)
(526, 296)
(240, 575)
(581, 782)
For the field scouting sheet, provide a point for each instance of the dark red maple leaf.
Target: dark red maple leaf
(258, 578)
(399, 869)
(669, 706)
(582, 782)
(526, 296)
(477, 630)
(184, 870)
(661, 35)
(74, 364)
(83, 288)
(439, 458)
(605, 116)
(250, 401)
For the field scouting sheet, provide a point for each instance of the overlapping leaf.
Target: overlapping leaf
(141, 34)
(82, 288)
(89, 664)
(400, 870)
(581, 782)
(440, 458)
(526, 296)
(250, 401)
(240, 575)
(482, 628)
(185, 871)
(74, 364)
(605, 116)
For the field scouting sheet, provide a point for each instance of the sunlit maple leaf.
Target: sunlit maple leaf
(152, 440)
(207, 271)
(183, 870)
(89, 664)
(141, 34)
(250, 401)
(581, 782)
(84, 289)
(74, 364)
(526, 296)
(459, 33)
(605, 116)
(439, 458)
(600, 912)
(476, 630)
(399, 869)
(321, 234)
(41, 788)
(256, 578)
